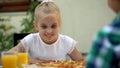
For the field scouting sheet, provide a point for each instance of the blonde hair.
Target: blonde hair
(47, 8)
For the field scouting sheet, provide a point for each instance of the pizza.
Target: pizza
(63, 64)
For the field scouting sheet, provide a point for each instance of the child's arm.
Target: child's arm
(17, 47)
(76, 55)
(30, 60)
(35, 61)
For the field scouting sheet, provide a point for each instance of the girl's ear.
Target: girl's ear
(35, 25)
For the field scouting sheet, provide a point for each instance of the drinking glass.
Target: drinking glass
(22, 57)
(9, 59)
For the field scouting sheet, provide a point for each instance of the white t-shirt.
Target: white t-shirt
(56, 51)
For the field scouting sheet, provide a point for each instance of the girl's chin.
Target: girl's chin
(49, 42)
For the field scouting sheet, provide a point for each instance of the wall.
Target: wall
(81, 19)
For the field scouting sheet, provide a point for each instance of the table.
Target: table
(35, 66)
(59, 64)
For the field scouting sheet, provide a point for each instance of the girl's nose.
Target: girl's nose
(49, 30)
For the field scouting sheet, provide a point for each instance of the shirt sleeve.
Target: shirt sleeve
(91, 57)
(72, 47)
(70, 44)
(27, 41)
(93, 54)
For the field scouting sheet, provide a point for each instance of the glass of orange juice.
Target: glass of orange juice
(9, 59)
(22, 57)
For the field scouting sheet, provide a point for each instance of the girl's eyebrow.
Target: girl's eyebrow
(54, 23)
(42, 24)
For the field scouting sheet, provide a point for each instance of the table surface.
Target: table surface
(35, 66)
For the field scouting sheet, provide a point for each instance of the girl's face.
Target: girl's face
(114, 5)
(48, 28)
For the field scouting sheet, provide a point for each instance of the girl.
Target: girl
(48, 45)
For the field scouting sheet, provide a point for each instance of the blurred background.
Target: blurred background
(81, 19)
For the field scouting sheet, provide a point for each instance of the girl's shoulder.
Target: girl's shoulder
(31, 36)
(65, 38)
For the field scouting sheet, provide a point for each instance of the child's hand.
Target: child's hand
(35, 60)
(46, 61)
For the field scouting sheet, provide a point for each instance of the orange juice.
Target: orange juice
(22, 59)
(9, 61)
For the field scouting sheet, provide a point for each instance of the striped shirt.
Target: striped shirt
(105, 50)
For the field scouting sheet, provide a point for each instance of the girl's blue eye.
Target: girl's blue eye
(53, 26)
(44, 27)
